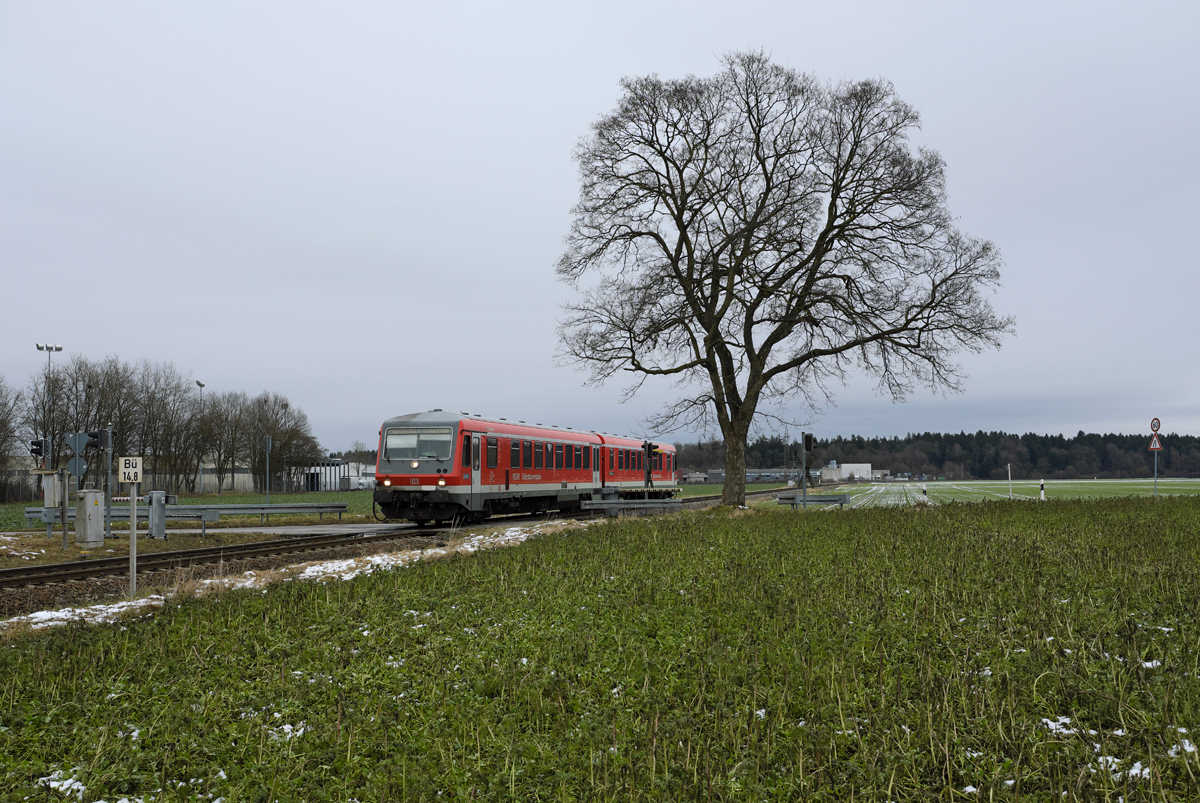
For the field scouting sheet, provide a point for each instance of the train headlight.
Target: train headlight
(441, 480)
(387, 482)
(415, 464)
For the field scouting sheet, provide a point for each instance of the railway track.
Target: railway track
(158, 561)
(51, 573)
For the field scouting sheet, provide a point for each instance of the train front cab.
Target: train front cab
(415, 471)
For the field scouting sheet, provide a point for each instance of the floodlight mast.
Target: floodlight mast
(49, 349)
(200, 457)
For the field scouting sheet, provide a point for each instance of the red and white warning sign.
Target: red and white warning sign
(1155, 446)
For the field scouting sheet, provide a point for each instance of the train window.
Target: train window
(620, 460)
(558, 456)
(611, 459)
(549, 456)
(568, 453)
(475, 453)
(526, 454)
(587, 457)
(578, 456)
(537, 454)
(514, 453)
(412, 443)
(640, 463)
(493, 452)
(466, 450)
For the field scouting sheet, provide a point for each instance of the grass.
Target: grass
(1037, 652)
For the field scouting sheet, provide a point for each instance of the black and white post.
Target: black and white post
(1156, 447)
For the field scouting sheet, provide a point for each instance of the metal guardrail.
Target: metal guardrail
(798, 500)
(202, 513)
(613, 507)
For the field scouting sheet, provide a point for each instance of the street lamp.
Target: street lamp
(49, 349)
(200, 457)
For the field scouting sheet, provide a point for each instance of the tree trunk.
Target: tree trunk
(734, 493)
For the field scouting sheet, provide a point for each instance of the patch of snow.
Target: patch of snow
(1059, 727)
(95, 614)
(59, 782)
(1185, 745)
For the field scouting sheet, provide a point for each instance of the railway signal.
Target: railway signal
(37, 448)
(97, 440)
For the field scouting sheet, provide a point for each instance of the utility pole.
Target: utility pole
(268, 477)
(108, 444)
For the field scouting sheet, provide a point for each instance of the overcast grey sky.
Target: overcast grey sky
(360, 204)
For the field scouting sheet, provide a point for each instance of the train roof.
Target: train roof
(441, 418)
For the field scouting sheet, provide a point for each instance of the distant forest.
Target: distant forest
(981, 455)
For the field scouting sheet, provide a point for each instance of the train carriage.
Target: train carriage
(437, 466)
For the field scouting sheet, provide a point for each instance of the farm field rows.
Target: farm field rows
(901, 493)
(990, 652)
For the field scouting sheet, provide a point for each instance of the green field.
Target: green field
(955, 652)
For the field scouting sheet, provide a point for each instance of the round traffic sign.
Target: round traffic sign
(1154, 425)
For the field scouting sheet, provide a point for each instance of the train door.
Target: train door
(475, 473)
(597, 474)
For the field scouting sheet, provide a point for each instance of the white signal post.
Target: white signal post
(131, 473)
(1156, 447)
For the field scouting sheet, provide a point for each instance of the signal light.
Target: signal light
(97, 440)
(37, 448)
(809, 442)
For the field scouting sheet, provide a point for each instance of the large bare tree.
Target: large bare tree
(757, 234)
(10, 422)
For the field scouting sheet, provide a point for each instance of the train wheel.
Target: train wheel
(420, 522)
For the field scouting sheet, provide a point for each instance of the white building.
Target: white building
(846, 472)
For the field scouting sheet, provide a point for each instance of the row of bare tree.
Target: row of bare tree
(162, 415)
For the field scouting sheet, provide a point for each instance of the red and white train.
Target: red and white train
(438, 466)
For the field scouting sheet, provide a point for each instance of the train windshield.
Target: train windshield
(417, 442)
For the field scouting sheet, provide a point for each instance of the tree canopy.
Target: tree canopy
(755, 235)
